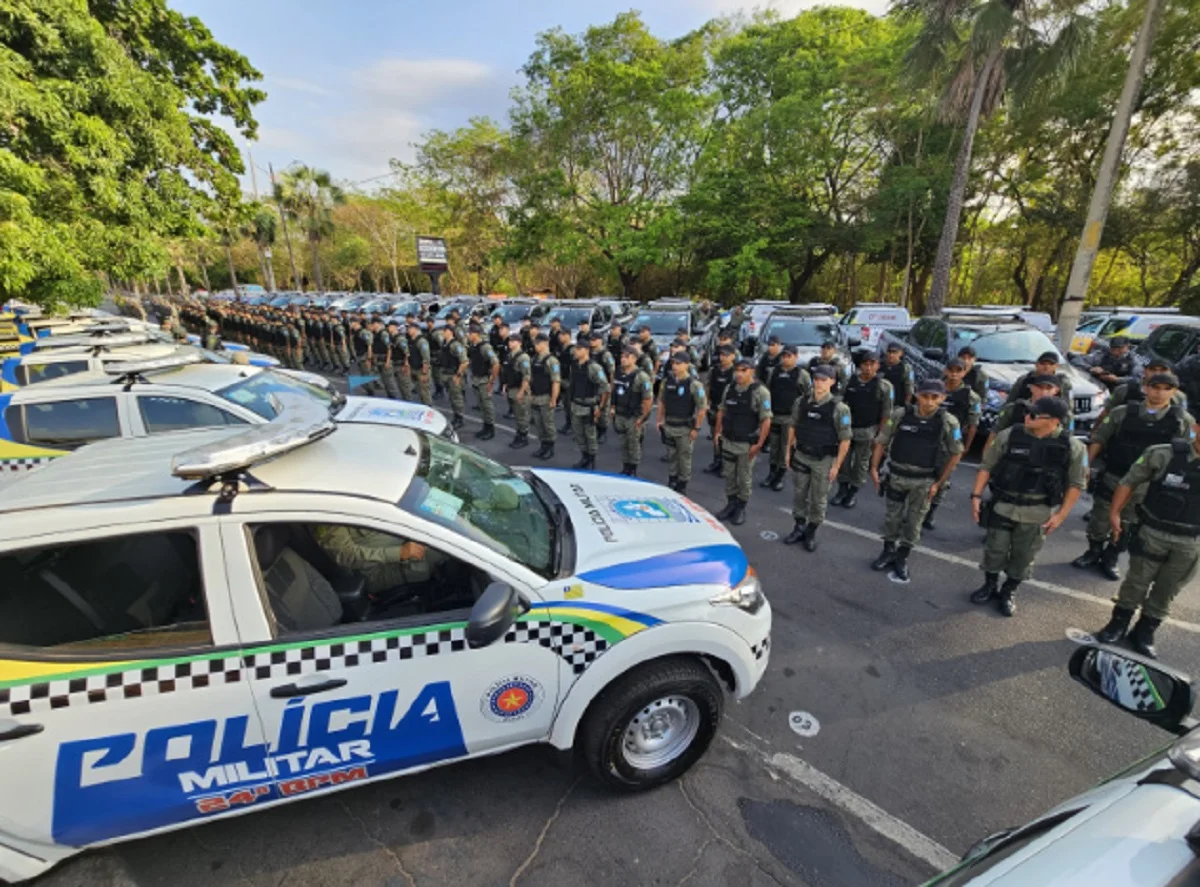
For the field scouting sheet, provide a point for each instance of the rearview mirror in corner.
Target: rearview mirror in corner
(1137, 685)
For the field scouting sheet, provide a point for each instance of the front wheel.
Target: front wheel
(652, 724)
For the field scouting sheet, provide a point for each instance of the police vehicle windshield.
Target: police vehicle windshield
(570, 317)
(798, 331)
(662, 323)
(1019, 345)
(483, 500)
(512, 314)
(255, 392)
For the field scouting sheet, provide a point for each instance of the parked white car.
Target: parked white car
(866, 322)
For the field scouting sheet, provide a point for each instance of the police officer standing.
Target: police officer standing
(770, 360)
(1121, 438)
(743, 423)
(566, 364)
(616, 342)
(485, 367)
(515, 379)
(589, 396)
(1132, 391)
(419, 362)
(788, 382)
(681, 408)
(632, 400)
(898, 373)
(720, 377)
(608, 363)
(974, 378)
(1115, 365)
(1165, 555)
(1015, 410)
(817, 444)
(1036, 472)
(964, 405)
(869, 397)
(1046, 365)
(545, 383)
(830, 358)
(649, 346)
(453, 371)
(389, 374)
(923, 444)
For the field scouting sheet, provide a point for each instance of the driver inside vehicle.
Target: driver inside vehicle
(383, 560)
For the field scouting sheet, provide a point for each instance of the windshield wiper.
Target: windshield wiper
(559, 517)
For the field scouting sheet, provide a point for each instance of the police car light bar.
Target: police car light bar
(181, 357)
(91, 340)
(300, 422)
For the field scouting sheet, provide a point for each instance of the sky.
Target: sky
(351, 84)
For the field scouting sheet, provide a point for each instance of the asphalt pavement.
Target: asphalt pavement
(896, 725)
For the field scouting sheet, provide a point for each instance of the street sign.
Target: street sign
(431, 255)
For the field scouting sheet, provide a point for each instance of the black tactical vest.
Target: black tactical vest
(583, 389)
(866, 409)
(740, 423)
(677, 398)
(416, 360)
(719, 381)
(1136, 434)
(626, 399)
(510, 375)
(480, 365)
(898, 376)
(1033, 470)
(785, 389)
(816, 434)
(958, 404)
(447, 359)
(539, 376)
(1172, 503)
(915, 443)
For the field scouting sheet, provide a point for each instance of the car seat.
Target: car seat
(301, 598)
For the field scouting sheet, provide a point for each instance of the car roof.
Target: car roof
(205, 376)
(362, 461)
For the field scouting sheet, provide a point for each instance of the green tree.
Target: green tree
(309, 195)
(263, 226)
(107, 143)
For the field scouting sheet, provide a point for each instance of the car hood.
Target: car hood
(1006, 374)
(378, 411)
(633, 534)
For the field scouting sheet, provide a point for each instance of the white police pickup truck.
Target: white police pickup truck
(207, 623)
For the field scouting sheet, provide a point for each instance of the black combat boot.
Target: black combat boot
(1118, 624)
(810, 536)
(713, 467)
(1008, 606)
(582, 464)
(1108, 563)
(681, 487)
(779, 476)
(727, 512)
(458, 422)
(928, 523)
(767, 481)
(519, 442)
(739, 515)
(487, 432)
(851, 497)
(885, 557)
(631, 469)
(1142, 636)
(672, 480)
(541, 450)
(602, 434)
(900, 565)
(987, 591)
(797, 534)
(839, 497)
(1091, 557)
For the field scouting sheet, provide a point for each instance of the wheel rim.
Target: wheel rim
(660, 732)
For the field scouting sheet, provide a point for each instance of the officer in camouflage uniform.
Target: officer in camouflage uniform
(649, 346)
(869, 397)
(923, 444)
(1014, 411)
(433, 336)
(963, 404)
(1113, 366)
(720, 378)
(602, 356)
(788, 382)
(420, 363)
(566, 361)
(545, 384)
(385, 561)
(453, 373)
(632, 400)
(1036, 472)
(817, 444)
(589, 397)
(211, 340)
(743, 423)
(515, 380)
(681, 408)
(1165, 554)
(769, 362)
(485, 368)
(1131, 391)
(974, 377)
(1121, 437)
(899, 374)
(1046, 365)
(830, 358)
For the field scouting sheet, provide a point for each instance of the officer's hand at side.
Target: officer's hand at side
(1054, 523)
(1114, 521)
(975, 504)
(932, 492)
(692, 434)
(412, 551)
(833, 473)
(755, 449)
(875, 479)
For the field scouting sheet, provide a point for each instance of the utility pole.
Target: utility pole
(1106, 178)
(296, 282)
(264, 252)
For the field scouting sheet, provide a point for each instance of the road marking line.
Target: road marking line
(965, 562)
(897, 831)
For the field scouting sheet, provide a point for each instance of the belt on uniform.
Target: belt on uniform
(680, 423)
(1162, 526)
(584, 402)
(901, 471)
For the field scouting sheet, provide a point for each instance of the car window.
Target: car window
(1173, 345)
(29, 373)
(662, 323)
(255, 392)
(315, 577)
(1113, 325)
(483, 500)
(124, 593)
(799, 331)
(1091, 326)
(162, 413)
(69, 423)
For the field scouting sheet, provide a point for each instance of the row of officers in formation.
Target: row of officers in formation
(825, 422)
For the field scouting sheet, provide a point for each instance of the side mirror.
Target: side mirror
(494, 614)
(853, 343)
(934, 354)
(1136, 685)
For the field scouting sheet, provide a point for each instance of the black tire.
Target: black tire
(601, 735)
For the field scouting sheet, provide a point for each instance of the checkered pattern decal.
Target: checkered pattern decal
(760, 650)
(578, 646)
(12, 466)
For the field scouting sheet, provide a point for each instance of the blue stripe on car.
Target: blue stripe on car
(706, 565)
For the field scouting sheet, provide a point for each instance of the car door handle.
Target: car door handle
(286, 691)
(21, 731)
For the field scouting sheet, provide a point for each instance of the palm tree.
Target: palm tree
(988, 48)
(262, 230)
(309, 195)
